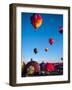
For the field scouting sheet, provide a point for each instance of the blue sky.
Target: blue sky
(31, 39)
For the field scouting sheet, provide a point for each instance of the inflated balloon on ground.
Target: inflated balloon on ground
(49, 67)
(32, 67)
(22, 65)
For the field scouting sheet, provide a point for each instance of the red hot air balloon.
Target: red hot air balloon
(51, 41)
(49, 67)
(36, 20)
(61, 29)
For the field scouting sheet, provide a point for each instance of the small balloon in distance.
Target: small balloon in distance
(46, 49)
(61, 29)
(62, 58)
(35, 50)
(51, 41)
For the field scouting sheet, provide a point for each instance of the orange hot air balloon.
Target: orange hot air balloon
(46, 49)
(36, 20)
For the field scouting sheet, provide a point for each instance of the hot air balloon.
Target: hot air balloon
(46, 49)
(61, 29)
(42, 68)
(35, 50)
(49, 67)
(62, 58)
(22, 65)
(36, 20)
(23, 68)
(51, 41)
(32, 67)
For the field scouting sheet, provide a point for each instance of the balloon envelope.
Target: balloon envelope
(51, 41)
(61, 29)
(36, 20)
(62, 58)
(22, 65)
(32, 67)
(42, 66)
(49, 67)
(46, 49)
(35, 50)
